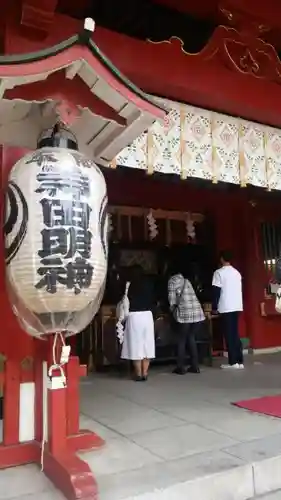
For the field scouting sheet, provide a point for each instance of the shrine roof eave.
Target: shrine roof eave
(100, 136)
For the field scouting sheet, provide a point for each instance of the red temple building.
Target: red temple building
(180, 104)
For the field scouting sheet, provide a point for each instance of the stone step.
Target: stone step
(210, 480)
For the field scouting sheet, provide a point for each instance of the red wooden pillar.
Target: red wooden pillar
(11, 403)
(57, 420)
(252, 276)
(66, 470)
(72, 396)
(56, 398)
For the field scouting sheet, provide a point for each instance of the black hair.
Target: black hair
(175, 267)
(181, 267)
(226, 255)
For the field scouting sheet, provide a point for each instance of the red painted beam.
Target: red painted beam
(164, 69)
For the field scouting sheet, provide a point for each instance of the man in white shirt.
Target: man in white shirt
(227, 301)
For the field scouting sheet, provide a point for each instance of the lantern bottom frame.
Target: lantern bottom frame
(68, 472)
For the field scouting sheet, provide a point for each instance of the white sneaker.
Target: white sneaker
(231, 367)
(241, 366)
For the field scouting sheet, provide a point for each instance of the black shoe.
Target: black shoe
(192, 369)
(179, 371)
(144, 378)
(138, 378)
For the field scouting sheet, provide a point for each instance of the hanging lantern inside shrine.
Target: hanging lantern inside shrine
(56, 237)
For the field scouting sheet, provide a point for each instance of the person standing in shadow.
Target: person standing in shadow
(188, 318)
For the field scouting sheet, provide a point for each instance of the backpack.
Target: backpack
(176, 306)
(173, 310)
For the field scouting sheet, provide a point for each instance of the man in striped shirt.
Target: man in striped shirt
(188, 315)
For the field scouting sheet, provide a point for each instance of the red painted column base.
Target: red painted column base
(69, 473)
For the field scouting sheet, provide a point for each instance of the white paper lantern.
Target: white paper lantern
(56, 240)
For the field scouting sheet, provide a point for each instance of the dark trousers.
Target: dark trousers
(186, 333)
(232, 339)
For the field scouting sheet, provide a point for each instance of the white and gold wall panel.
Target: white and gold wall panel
(194, 142)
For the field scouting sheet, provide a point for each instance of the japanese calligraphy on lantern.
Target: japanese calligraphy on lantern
(66, 238)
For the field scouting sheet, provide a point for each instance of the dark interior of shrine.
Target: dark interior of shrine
(130, 244)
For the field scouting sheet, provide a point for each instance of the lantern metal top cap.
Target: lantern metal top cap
(57, 137)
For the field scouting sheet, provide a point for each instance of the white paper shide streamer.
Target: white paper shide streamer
(56, 231)
(152, 225)
(120, 332)
(190, 228)
(122, 313)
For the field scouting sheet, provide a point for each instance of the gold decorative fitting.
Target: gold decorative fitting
(267, 165)
(182, 144)
(226, 13)
(243, 183)
(178, 42)
(150, 146)
(214, 150)
(248, 63)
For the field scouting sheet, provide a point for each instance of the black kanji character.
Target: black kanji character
(81, 161)
(66, 242)
(42, 158)
(52, 272)
(79, 274)
(65, 213)
(53, 181)
(83, 242)
(76, 275)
